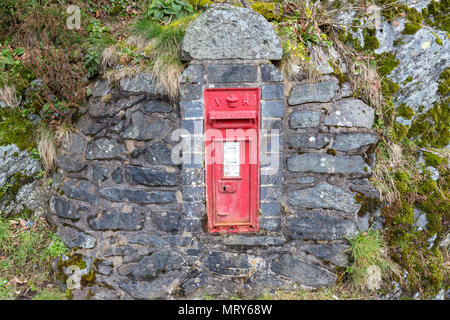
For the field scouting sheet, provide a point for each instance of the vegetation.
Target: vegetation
(27, 248)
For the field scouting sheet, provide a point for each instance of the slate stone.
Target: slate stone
(334, 253)
(158, 153)
(193, 194)
(232, 73)
(352, 141)
(104, 149)
(272, 108)
(100, 88)
(150, 266)
(128, 219)
(190, 92)
(320, 226)
(270, 73)
(76, 239)
(137, 196)
(326, 163)
(270, 209)
(193, 209)
(351, 113)
(117, 175)
(80, 190)
(63, 208)
(304, 119)
(159, 288)
(325, 196)
(226, 263)
(364, 187)
(99, 173)
(313, 92)
(241, 240)
(89, 126)
(13, 160)
(144, 128)
(191, 109)
(308, 140)
(156, 106)
(101, 109)
(168, 221)
(142, 82)
(272, 91)
(150, 177)
(228, 32)
(192, 74)
(270, 224)
(303, 272)
(68, 164)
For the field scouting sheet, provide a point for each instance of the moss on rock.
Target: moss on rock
(16, 129)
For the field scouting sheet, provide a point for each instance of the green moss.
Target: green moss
(200, 3)
(432, 159)
(411, 28)
(270, 10)
(370, 40)
(436, 15)
(386, 62)
(405, 112)
(342, 78)
(432, 129)
(407, 80)
(331, 151)
(400, 131)
(16, 129)
(413, 15)
(444, 83)
(388, 87)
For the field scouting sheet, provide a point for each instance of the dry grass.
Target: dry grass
(8, 96)
(47, 147)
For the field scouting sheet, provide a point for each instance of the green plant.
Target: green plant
(99, 38)
(369, 262)
(50, 294)
(56, 247)
(165, 11)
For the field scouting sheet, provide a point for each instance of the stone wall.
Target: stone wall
(135, 219)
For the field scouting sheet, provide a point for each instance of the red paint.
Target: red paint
(232, 178)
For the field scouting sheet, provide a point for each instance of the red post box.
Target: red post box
(232, 117)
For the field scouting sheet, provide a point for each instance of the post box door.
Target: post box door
(232, 159)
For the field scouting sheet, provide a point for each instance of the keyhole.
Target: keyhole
(224, 188)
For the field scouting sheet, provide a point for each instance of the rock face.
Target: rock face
(227, 32)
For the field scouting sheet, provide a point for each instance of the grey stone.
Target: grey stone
(101, 109)
(228, 32)
(270, 209)
(321, 226)
(272, 91)
(193, 209)
(326, 163)
(137, 196)
(364, 187)
(352, 141)
(80, 190)
(232, 73)
(89, 126)
(75, 145)
(33, 197)
(192, 74)
(156, 106)
(226, 263)
(150, 177)
(158, 153)
(194, 177)
(304, 119)
(144, 128)
(104, 149)
(363, 222)
(422, 59)
(351, 113)
(142, 82)
(191, 109)
(192, 126)
(346, 90)
(270, 224)
(159, 288)
(325, 196)
(193, 194)
(128, 218)
(304, 180)
(63, 208)
(385, 36)
(168, 221)
(308, 140)
(270, 193)
(76, 239)
(270, 73)
(334, 253)
(13, 160)
(150, 266)
(241, 240)
(99, 173)
(190, 92)
(420, 219)
(272, 108)
(101, 88)
(117, 175)
(313, 92)
(303, 272)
